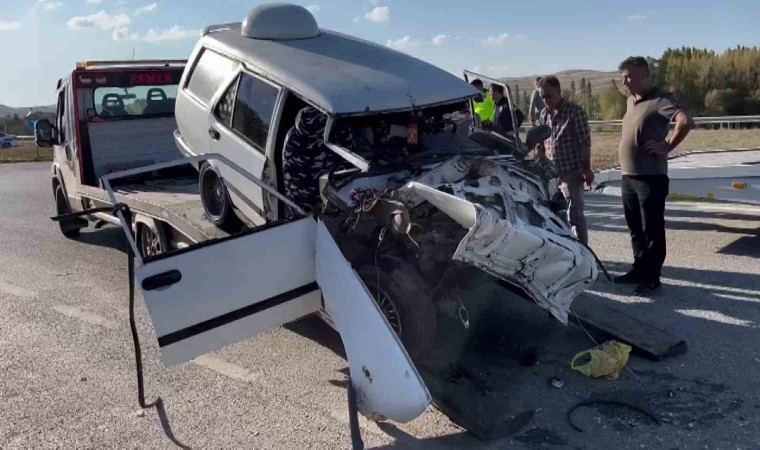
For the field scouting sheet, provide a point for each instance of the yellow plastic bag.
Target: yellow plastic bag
(606, 360)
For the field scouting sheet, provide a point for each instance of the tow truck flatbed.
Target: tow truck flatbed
(174, 201)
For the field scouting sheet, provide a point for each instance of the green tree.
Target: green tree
(572, 93)
(612, 102)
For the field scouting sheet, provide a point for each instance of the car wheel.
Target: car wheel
(6, 145)
(216, 200)
(402, 295)
(149, 242)
(70, 228)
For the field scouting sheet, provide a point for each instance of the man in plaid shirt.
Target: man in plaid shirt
(569, 148)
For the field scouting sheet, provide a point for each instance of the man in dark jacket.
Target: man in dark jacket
(502, 118)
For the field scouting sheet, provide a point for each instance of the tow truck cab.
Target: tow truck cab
(110, 116)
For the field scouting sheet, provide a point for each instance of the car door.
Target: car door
(216, 293)
(239, 125)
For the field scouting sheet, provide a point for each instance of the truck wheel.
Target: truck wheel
(216, 200)
(70, 228)
(149, 241)
(403, 298)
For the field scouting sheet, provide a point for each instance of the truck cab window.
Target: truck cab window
(61, 117)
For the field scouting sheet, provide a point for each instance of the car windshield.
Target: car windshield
(139, 101)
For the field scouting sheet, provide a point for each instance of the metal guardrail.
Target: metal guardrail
(716, 120)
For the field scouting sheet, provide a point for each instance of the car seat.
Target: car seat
(157, 102)
(113, 106)
(305, 157)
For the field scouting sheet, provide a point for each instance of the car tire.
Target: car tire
(216, 200)
(403, 298)
(149, 242)
(6, 145)
(70, 228)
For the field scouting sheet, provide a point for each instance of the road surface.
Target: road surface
(68, 376)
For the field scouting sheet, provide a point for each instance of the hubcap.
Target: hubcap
(213, 191)
(151, 244)
(389, 310)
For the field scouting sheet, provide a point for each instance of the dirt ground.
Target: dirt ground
(26, 152)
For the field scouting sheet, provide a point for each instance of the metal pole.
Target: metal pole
(353, 418)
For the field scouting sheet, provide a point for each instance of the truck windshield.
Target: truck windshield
(139, 101)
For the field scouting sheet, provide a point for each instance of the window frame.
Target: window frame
(275, 108)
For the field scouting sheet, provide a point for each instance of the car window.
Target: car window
(254, 107)
(224, 108)
(208, 74)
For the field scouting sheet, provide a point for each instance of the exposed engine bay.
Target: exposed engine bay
(491, 213)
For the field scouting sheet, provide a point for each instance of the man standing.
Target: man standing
(502, 116)
(569, 148)
(643, 153)
(536, 103)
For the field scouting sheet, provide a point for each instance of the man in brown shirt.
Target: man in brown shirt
(643, 153)
(569, 148)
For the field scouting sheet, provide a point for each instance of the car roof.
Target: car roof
(343, 74)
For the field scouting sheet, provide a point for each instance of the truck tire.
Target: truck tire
(70, 228)
(216, 201)
(149, 241)
(403, 298)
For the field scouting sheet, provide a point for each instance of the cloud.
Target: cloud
(405, 43)
(47, 5)
(314, 8)
(380, 14)
(175, 33)
(146, 9)
(497, 41)
(101, 20)
(441, 39)
(121, 34)
(94, 2)
(9, 26)
(637, 17)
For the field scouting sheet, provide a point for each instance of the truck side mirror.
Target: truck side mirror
(43, 133)
(537, 135)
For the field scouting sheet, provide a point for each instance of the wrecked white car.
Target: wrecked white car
(362, 136)
(347, 190)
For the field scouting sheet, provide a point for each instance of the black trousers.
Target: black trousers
(644, 206)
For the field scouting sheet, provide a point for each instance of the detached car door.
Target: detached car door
(219, 292)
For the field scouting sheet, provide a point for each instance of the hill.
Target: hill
(599, 80)
(9, 110)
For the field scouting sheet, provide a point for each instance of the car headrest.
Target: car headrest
(112, 101)
(156, 95)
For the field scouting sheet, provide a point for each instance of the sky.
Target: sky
(41, 40)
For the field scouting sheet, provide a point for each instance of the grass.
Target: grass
(604, 144)
(25, 152)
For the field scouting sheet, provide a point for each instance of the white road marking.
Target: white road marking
(10, 289)
(227, 369)
(85, 316)
(715, 316)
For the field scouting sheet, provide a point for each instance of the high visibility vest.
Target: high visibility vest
(486, 108)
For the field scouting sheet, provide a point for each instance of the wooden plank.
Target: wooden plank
(596, 314)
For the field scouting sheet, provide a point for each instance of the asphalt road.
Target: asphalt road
(68, 376)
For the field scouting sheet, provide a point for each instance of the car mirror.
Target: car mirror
(537, 135)
(43, 133)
